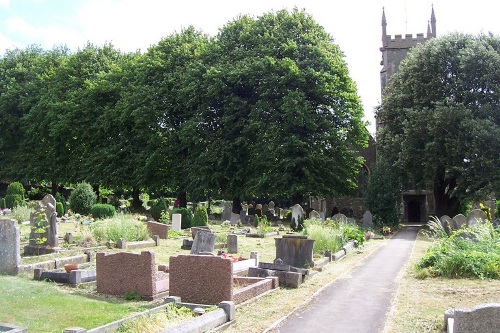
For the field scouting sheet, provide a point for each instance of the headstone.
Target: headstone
(68, 238)
(351, 221)
(314, 215)
(271, 208)
(234, 218)
(295, 251)
(243, 215)
(339, 218)
(297, 211)
(232, 244)
(459, 221)
(265, 209)
(203, 242)
(250, 210)
(446, 223)
(475, 217)
(367, 220)
(484, 318)
(226, 213)
(176, 222)
(10, 255)
(43, 224)
(194, 230)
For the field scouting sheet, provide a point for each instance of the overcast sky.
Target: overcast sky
(132, 25)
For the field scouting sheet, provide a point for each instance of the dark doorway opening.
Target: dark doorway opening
(414, 211)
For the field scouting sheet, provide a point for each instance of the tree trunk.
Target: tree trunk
(182, 197)
(237, 205)
(297, 199)
(136, 200)
(54, 188)
(95, 187)
(446, 204)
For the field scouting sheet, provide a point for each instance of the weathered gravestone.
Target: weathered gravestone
(258, 210)
(297, 212)
(176, 222)
(234, 218)
(314, 215)
(204, 241)
(483, 318)
(271, 208)
(475, 217)
(243, 215)
(9, 247)
(446, 223)
(367, 220)
(226, 213)
(459, 221)
(43, 224)
(339, 218)
(295, 250)
(232, 244)
(265, 209)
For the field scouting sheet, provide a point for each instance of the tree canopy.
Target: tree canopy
(265, 108)
(440, 119)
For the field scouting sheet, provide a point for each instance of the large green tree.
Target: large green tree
(277, 113)
(440, 119)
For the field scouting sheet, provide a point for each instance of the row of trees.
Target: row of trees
(266, 107)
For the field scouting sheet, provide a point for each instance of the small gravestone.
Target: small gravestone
(232, 244)
(265, 209)
(234, 218)
(314, 215)
(446, 223)
(339, 218)
(194, 230)
(367, 220)
(459, 221)
(9, 247)
(204, 241)
(68, 238)
(226, 213)
(475, 217)
(297, 211)
(243, 215)
(295, 251)
(271, 208)
(176, 222)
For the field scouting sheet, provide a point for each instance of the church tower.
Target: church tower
(394, 50)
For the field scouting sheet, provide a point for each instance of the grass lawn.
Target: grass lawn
(420, 303)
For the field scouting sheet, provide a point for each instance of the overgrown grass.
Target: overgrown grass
(20, 213)
(43, 307)
(120, 226)
(466, 253)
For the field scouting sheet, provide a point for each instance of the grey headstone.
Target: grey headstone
(475, 217)
(339, 218)
(459, 221)
(10, 255)
(367, 220)
(234, 218)
(314, 215)
(232, 244)
(446, 223)
(243, 215)
(483, 318)
(203, 242)
(295, 251)
(226, 213)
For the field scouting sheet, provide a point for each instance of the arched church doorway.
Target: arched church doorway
(414, 211)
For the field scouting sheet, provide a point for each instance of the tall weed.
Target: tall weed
(120, 226)
(20, 213)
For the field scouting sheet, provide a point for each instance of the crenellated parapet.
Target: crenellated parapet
(406, 42)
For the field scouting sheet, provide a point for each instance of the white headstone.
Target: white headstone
(297, 211)
(367, 220)
(176, 222)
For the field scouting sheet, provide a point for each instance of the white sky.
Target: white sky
(136, 24)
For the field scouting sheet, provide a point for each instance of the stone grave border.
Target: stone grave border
(56, 263)
(225, 315)
(12, 329)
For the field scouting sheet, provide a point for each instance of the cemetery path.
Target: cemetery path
(360, 300)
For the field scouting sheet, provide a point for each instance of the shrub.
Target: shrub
(2, 203)
(60, 198)
(82, 199)
(158, 206)
(16, 188)
(200, 217)
(186, 216)
(118, 227)
(256, 221)
(326, 236)
(13, 200)
(59, 208)
(103, 211)
(21, 213)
